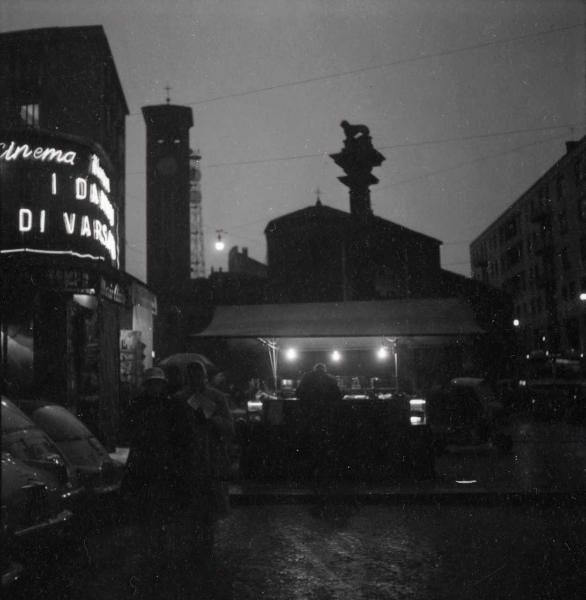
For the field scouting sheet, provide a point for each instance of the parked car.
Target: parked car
(556, 399)
(25, 441)
(33, 513)
(94, 467)
(466, 412)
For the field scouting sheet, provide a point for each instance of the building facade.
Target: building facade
(68, 307)
(321, 254)
(64, 79)
(536, 251)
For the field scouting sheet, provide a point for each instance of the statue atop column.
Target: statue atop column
(354, 132)
(357, 159)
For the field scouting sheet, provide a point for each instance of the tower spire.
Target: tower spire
(168, 89)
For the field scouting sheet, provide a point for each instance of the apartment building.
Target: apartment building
(536, 251)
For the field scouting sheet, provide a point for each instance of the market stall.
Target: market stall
(383, 354)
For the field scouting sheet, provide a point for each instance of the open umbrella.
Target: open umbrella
(179, 363)
(185, 358)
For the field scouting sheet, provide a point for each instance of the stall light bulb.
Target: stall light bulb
(291, 354)
(382, 352)
(336, 356)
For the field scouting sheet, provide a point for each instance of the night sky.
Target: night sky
(469, 100)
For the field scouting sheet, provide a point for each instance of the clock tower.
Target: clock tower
(167, 213)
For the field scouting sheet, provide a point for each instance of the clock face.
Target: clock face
(166, 166)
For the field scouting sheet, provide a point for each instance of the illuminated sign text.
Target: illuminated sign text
(13, 151)
(56, 197)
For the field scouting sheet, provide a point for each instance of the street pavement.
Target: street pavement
(489, 525)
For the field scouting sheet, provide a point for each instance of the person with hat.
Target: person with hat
(164, 483)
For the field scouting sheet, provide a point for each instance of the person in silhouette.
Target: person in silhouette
(319, 397)
(214, 430)
(166, 485)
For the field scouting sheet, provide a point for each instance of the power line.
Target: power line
(395, 146)
(264, 160)
(476, 136)
(381, 65)
(464, 164)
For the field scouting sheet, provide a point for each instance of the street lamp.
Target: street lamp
(336, 356)
(219, 245)
(518, 348)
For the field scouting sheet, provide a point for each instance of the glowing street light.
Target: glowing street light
(291, 354)
(516, 322)
(583, 296)
(336, 356)
(219, 245)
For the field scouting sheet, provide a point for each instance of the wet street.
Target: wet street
(434, 544)
(371, 552)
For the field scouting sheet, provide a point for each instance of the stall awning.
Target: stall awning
(404, 317)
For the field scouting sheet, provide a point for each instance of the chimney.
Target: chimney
(245, 252)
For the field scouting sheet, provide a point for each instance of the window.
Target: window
(29, 113)
(511, 227)
(582, 208)
(563, 220)
(514, 254)
(572, 290)
(565, 259)
(579, 169)
(522, 281)
(560, 186)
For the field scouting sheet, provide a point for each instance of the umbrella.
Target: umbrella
(185, 358)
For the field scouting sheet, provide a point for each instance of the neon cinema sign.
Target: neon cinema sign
(57, 200)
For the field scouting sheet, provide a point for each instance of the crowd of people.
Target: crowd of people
(174, 489)
(179, 431)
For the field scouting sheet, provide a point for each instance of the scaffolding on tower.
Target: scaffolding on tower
(196, 243)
